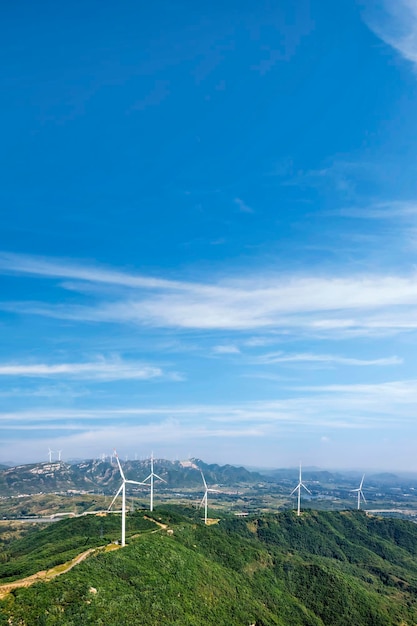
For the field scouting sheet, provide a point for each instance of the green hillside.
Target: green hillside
(327, 568)
(62, 541)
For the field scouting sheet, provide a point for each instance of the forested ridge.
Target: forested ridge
(323, 568)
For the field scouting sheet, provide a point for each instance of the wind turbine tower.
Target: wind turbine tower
(204, 501)
(50, 454)
(122, 489)
(360, 493)
(151, 476)
(298, 489)
(59, 455)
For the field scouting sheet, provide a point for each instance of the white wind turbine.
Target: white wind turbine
(298, 488)
(151, 476)
(122, 489)
(59, 455)
(50, 454)
(360, 493)
(205, 497)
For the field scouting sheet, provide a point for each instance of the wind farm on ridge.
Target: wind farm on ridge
(110, 484)
(223, 496)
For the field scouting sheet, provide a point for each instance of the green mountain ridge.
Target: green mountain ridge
(319, 569)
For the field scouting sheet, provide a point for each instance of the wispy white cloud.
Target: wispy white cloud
(266, 375)
(395, 22)
(323, 304)
(395, 390)
(54, 391)
(260, 341)
(226, 349)
(356, 304)
(60, 268)
(323, 359)
(171, 437)
(243, 207)
(310, 411)
(336, 406)
(96, 370)
(393, 210)
(342, 175)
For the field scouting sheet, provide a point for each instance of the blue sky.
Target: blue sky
(208, 236)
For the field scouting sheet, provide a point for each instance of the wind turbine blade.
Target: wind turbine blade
(147, 478)
(163, 479)
(204, 480)
(202, 501)
(213, 490)
(118, 463)
(135, 482)
(306, 488)
(294, 490)
(360, 486)
(118, 491)
(363, 497)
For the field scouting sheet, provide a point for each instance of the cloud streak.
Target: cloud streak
(310, 412)
(335, 406)
(226, 349)
(323, 359)
(322, 304)
(396, 24)
(243, 207)
(58, 268)
(94, 370)
(389, 210)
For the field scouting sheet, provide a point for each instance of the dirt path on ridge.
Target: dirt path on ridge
(163, 526)
(47, 575)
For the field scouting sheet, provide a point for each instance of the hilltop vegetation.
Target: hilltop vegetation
(62, 541)
(322, 569)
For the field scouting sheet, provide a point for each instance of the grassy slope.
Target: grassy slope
(61, 541)
(323, 568)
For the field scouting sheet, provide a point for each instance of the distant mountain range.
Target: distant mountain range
(102, 475)
(347, 478)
